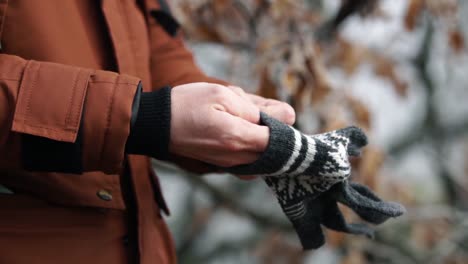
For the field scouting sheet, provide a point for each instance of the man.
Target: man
(85, 100)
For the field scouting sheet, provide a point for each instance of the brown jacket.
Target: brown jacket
(69, 69)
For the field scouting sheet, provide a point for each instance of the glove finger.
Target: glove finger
(365, 191)
(368, 209)
(310, 234)
(391, 209)
(306, 222)
(357, 139)
(334, 219)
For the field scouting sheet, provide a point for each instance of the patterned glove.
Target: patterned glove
(309, 175)
(324, 210)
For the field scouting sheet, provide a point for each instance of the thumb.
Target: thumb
(249, 136)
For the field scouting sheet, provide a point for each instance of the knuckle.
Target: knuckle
(231, 140)
(231, 144)
(217, 89)
(239, 90)
(220, 94)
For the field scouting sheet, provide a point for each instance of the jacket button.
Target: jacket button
(104, 195)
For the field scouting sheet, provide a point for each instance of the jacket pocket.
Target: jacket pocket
(60, 118)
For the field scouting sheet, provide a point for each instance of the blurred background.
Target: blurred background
(397, 68)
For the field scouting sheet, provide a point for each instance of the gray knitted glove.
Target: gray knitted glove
(301, 170)
(324, 210)
(296, 165)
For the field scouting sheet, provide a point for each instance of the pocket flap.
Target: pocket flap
(50, 101)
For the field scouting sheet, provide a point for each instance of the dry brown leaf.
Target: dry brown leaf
(369, 166)
(393, 190)
(349, 56)
(414, 10)
(290, 80)
(346, 56)
(207, 33)
(220, 6)
(300, 94)
(318, 78)
(295, 84)
(338, 239)
(442, 8)
(333, 122)
(354, 257)
(198, 29)
(335, 239)
(274, 249)
(426, 235)
(267, 88)
(385, 68)
(360, 111)
(280, 9)
(456, 41)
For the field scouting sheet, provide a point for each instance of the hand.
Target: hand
(274, 108)
(309, 174)
(213, 124)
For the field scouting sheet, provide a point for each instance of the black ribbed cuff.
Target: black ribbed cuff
(151, 132)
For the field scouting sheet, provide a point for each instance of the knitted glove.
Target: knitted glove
(306, 164)
(324, 211)
(301, 170)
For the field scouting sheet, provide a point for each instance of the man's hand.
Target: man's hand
(219, 125)
(213, 124)
(274, 108)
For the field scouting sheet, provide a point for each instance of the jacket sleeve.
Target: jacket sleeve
(55, 117)
(171, 62)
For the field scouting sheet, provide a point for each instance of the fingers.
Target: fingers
(249, 136)
(279, 110)
(332, 218)
(308, 226)
(357, 139)
(216, 125)
(283, 112)
(237, 142)
(235, 104)
(366, 206)
(239, 91)
(274, 108)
